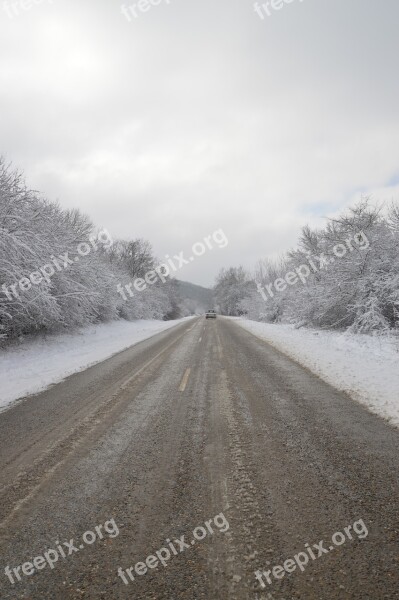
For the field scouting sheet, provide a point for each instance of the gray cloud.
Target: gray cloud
(199, 115)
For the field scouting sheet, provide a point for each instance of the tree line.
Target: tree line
(57, 271)
(342, 276)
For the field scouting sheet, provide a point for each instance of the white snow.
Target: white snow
(364, 366)
(34, 365)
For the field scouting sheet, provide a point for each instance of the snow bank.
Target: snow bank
(364, 366)
(32, 366)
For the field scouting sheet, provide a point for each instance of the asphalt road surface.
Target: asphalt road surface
(205, 444)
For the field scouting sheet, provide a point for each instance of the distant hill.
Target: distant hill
(195, 298)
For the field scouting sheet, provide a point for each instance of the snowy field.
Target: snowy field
(365, 367)
(32, 366)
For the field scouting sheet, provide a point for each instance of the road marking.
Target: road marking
(220, 347)
(76, 445)
(184, 380)
(200, 339)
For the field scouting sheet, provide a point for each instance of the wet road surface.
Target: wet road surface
(205, 444)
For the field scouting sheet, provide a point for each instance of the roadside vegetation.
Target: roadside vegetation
(354, 288)
(34, 234)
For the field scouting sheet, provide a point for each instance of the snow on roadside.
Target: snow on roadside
(364, 366)
(34, 365)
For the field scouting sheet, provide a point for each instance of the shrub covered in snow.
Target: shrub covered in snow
(350, 277)
(57, 271)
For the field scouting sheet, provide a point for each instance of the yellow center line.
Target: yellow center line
(220, 347)
(184, 380)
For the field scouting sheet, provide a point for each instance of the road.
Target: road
(206, 435)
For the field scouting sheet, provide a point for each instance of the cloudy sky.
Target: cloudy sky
(197, 115)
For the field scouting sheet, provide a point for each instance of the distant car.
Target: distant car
(210, 314)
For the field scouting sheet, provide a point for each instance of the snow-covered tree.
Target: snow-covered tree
(232, 286)
(352, 276)
(58, 271)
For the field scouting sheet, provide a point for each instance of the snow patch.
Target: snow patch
(33, 366)
(364, 366)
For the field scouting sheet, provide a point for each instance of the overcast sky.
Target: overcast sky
(198, 115)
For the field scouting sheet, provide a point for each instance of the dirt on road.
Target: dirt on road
(201, 463)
